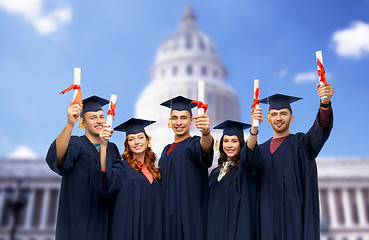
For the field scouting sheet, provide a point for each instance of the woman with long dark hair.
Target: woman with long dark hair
(233, 184)
(132, 184)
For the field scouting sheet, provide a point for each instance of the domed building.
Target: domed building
(182, 60)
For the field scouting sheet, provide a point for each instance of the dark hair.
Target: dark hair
(223, 156)
(149, 160)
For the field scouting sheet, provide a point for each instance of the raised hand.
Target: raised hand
(105, 132)
(203, 122)
(73, 111)
(325, 90)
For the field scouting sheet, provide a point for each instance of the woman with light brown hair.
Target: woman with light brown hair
(132, 184)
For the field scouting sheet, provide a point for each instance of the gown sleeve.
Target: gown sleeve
(71, 156)
(110, 181)
(194, 149)
(251, 160)
(317, 136)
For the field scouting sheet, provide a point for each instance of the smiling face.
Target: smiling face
(280, 121)
(231, 146)
(181, 122)
(93, 123)
(137, 143)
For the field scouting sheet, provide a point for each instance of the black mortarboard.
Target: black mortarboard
(134, 126)
(93, 104)
(279, 101)
(231, 128)
(179, 103)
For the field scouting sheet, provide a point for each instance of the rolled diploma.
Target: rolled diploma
(255, 122)
(319, 55)
(109, 119)
(77, 81)
(201, 96)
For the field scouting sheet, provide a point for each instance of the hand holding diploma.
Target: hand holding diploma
(105, 134)
(325, 90)
(73, 111)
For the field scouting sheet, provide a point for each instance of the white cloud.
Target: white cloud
(283, 73)
(23, 152)
(352, 41)
(32, 10)
(310, 77)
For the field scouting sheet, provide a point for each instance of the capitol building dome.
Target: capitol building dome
(183, 59)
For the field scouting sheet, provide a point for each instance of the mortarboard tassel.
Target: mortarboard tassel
(170, 123)
(149, 144)
(80, 123)
(216, 145)
(269, 121)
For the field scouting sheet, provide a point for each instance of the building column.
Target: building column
(44, 209)
(361, 207)
(2, 203)
(30, 209)
(347, 208)
(332, 209)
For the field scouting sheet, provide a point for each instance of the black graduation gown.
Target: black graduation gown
(82, 213)
(289, 194)
(232, 200)
(137, 203)
(184, 184)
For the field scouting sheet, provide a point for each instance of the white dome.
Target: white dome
(188, 43)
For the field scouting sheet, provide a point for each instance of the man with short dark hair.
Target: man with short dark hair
(184, 174)
(82, 213)
(288, 190)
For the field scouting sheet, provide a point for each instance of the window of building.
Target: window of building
(188, 42)
(174, 70)
(203, 71)
(189, 70)
(201, 43)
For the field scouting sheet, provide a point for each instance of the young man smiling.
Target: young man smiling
(288, 182)
(184, 174)
(82, 213)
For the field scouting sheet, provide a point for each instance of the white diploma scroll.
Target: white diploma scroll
(319, 55)
(109, 118)
(255, 122)
(201, 96)
(77, 81)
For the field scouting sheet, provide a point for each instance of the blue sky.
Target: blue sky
(114, 42)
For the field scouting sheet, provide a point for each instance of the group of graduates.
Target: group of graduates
(267, 191)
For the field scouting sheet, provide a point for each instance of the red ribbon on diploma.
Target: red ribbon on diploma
(78, 98)
(200, 105)
(111, 111)
(256, 99)
(321, 72)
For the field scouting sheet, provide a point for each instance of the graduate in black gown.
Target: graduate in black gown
(133, 184)
(82, 213)
(184, 174)
(233, 184)
(289, 197)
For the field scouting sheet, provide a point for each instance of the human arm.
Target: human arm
(320, 131)
(109, 168)
(206, 141)
(252, 140)
(104, 134)
(62, 141)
